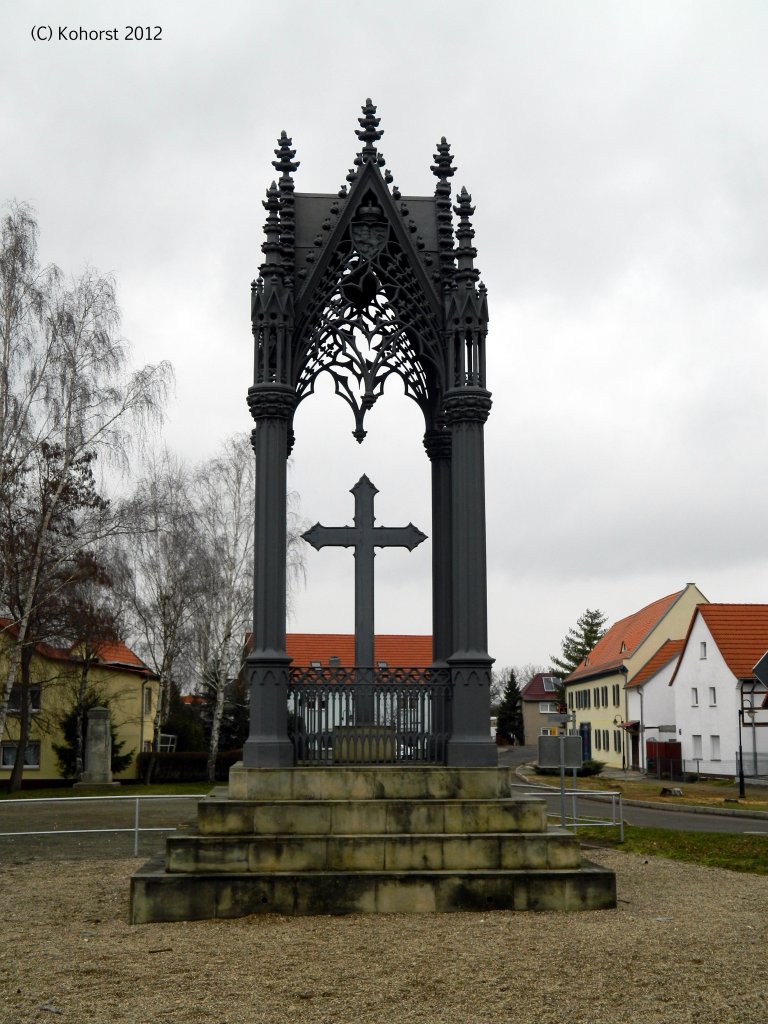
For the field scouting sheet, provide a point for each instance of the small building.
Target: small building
(596, 688)
(716, 695)
(118, 677)
(539, 697)
(650, 700)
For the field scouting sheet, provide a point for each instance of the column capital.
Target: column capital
(467, 405)
(437, 444)
(271, 401)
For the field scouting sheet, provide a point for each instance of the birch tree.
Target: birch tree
(223, 498)
(160, 580)
(90, 404)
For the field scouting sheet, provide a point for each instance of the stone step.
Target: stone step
(555, 850)
(368, 782)
(160, 896)
(369, 817)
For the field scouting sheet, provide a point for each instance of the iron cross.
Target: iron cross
(364, 537)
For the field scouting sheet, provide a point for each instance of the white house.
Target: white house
(713, 682)
(651, 700)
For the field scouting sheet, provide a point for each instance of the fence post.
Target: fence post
(136, 829)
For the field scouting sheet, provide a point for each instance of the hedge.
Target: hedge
(191, 766)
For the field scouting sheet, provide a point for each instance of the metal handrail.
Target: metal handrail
(616, 820)
(84, 831)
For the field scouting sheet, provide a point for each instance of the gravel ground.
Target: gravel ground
(686, 944)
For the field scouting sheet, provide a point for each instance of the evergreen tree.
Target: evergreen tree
(579, 641)
(509, 721)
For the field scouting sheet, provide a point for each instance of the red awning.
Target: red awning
(628, 725)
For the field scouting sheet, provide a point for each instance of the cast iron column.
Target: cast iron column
(268, 746)
(470, 743)
(438, 447)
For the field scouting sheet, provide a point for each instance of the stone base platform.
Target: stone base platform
(367, 839)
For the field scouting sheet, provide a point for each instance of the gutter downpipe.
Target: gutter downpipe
(642, 732)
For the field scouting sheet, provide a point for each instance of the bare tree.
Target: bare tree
(160, 574)
(92, 404)
(223, 498)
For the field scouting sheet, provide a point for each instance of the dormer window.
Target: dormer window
(586, 660)
(622, 648)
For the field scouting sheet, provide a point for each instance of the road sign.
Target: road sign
(761, 670)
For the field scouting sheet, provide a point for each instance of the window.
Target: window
(545, 708)
(694, 697)
(570, 701)
(549, 683)
(587, 699)
(617, 740)
(606, 740)
(597, 740)
(14, 704)
(596, 695)
(696, 747)
(31, 755)
(714, 748)
(147, 701)
(712, 697)
(605, 696)
(703, 649)
(616, 695)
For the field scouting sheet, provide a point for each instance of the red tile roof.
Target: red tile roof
(113, 652)
(623, 639)
(414, 651)
(395, 649)
(666, 653)
(534, 688)
(740, 632)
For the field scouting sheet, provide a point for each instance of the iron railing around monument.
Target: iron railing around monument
(369, 715)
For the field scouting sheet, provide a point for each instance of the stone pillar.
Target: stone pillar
(268, 746)
(470, 743)
(98, 749)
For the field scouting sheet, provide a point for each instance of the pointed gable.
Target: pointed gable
(623, 638)
(668, 652)
(740, 632)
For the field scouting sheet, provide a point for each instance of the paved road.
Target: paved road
(65, 817)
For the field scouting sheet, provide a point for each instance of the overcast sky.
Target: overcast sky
(617, 154)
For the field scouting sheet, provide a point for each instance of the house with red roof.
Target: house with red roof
(649, 699)
(717, 699)
(117, 676)
(597, 689)
(539, 697)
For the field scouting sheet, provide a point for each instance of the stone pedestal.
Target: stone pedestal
(367, 840)
(98, 751)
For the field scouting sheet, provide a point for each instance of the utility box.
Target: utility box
(550, 748)
(664, 759)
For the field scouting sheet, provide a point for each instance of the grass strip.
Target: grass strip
(161, 789)
(731, 850)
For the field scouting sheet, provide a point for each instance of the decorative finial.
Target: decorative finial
(442, 168)
(465, 251)
(271, 245)
(286, 165)
(285, 162)
(369, 134)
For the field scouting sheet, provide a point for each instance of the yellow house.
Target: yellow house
(118, 677)
(596, 688)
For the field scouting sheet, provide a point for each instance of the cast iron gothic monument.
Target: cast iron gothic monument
(363, 815)
(363, 284)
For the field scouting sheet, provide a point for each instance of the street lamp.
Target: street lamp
(750, 710)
